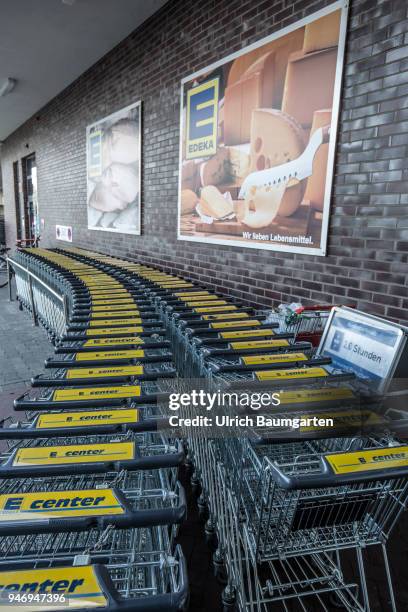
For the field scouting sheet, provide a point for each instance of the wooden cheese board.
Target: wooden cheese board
(297, 224)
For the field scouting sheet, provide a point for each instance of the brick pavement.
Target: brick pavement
(23, 349)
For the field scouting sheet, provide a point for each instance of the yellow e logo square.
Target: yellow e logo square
(202, 120)
(95, 153)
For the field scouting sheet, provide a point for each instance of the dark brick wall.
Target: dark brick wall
(368, 236)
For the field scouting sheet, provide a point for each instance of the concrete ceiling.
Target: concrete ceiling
(47, 44)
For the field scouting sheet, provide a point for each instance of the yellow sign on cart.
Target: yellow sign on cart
(194, 298)
(250, 333)
(276, 358)
(225, 315)
(252, 323)
(79, 586)
(289, 374)
(205, 302)
(58, 504)
(316, 395)
(116, 322)
(107, 355)
(88, 418)
(258, 344)
(369, 460)
(125, 306)
(215, 309)
(86, 393)
(105, 331)
(121, 313)
(115, 341)
(102, 372)
(75, 453)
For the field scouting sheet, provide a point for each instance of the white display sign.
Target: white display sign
(366, 345)
(63, 232)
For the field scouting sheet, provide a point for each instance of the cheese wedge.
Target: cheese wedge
(213, 204)
(322, 33)
(188, 201)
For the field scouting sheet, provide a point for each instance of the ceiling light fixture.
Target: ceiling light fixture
(7, 86)
(69, 2)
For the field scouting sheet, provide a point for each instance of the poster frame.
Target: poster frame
(89, 127)
(342, 5)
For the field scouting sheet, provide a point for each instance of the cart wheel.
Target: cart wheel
(195, 485)
(220, 571)
(211, 535)
(186, 605)
(335, 601)
(202, 508)
(229, 599)
(188, 466)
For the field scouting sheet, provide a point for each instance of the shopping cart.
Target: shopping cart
(104, 374)
(266, 361)
(96, 324)
(105, 331)
(306, 322)
(90, 455)
(112, 344)
(254, 377)
(297, 505)
(123, 355)
(116, 570)
(46, 505)
(83, 423)
(57, 398)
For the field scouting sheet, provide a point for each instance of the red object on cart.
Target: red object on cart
(309, 322)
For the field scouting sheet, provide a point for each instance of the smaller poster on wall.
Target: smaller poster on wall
(63, 232)
(113, 171)
(257, 140)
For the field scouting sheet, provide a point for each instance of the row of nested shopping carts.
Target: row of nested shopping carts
(90, 501)
(290, 511)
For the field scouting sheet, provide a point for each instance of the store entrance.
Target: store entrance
(31, 227)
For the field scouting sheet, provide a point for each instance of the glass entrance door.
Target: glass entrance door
(31, 217)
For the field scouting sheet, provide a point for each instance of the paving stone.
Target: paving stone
(23, 348)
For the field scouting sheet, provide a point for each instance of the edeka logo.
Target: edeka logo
(95, 153)
(202, 120)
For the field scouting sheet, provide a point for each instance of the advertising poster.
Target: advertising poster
(63, 232)
(257, 140)
(113, 172)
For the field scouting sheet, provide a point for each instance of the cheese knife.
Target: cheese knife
(297, 169)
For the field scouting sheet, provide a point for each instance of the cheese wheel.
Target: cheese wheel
(239, 161)
(215, 170)
(316, 183)
(262, 205)
(276, 138)
(190, 178)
